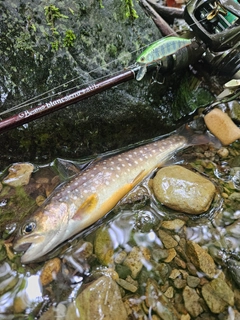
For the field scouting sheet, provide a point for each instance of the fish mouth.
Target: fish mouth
(22, 247)
(32, 247)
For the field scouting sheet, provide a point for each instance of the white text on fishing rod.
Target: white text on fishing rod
(51, 104)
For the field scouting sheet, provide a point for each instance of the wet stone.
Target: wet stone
(167, 240)
(159, 254)
(192, 282)
(101, 297)
(192, 301)
(119, 257)
(50, 271)
(169, 292)
(134, 261)
(19, 174)
(174, 274)
(103, 247)
(127, 285)
(183, 190)
(217, 295)
(160, 304)
(201, 259)
(123, 271)
(175, 224)
(171, 255)
(179, 283)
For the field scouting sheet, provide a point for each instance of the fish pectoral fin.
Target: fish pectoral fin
(139, 177)
(86, 207)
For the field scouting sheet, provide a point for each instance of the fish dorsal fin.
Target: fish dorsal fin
(86, 207)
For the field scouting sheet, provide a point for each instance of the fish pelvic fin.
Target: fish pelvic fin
(139, 178)
(86, 207)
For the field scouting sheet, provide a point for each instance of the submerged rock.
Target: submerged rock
(183, 190)
(217, 295)
(100, 300)
(192, 301)
(19, 174)
(201, 259)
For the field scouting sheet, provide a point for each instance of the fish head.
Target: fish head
(42, 232)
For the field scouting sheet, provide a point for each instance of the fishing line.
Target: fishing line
(36, 99)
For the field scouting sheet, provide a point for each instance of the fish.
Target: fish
(93, 192)
(157, 51)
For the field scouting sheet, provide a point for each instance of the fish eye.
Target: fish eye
(143, 58)
(28, 227)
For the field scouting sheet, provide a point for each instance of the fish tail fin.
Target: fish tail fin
(198, 137)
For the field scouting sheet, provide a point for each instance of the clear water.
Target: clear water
(134, 223)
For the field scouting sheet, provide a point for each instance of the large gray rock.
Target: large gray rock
(106, 42)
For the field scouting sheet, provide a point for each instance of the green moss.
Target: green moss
(130, 12)
(69, 38)
(52, 15)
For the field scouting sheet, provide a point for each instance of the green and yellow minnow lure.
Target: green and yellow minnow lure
(158, 50)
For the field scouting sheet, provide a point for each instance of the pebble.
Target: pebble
(101, 298)
(120, 257)
(183, 190)
(175, 224)
(19, 174)
(50, 271)
(103, 247)
(223, 152)
(134, 261)
(127, 285)
(174, 274)
(171, 255)
(201, 259)
(192, 282)
(167, 240)
(169, 292)
(217, 295)
(192, 301)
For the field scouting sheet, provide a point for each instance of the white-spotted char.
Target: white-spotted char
(91, 194)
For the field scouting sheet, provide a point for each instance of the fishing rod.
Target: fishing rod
(51, 106)
(178, 59)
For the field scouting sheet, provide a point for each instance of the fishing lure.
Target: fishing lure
(158, 50)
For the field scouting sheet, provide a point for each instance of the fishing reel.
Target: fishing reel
(217, 24)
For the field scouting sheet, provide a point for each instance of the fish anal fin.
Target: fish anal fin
(139, 177)
(86, 207)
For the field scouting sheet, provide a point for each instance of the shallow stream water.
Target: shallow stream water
(128, 247)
